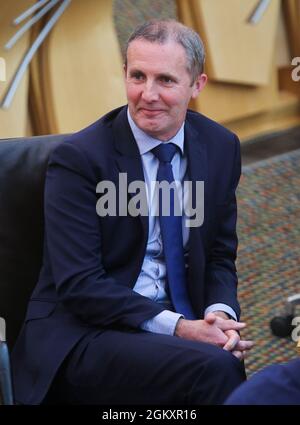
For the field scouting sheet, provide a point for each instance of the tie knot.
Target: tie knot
(165, 151)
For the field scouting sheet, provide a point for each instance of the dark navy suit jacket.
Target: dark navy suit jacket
(277, 384)
(91, 263)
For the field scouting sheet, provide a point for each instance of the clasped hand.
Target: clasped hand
(217, 330)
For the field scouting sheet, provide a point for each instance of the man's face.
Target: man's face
(159, 87)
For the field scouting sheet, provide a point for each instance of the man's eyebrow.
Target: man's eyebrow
(135, 71)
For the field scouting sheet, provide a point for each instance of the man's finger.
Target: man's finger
(244, 345)
(226, 325)
(210, 318)
(238, 354)
(232, 341)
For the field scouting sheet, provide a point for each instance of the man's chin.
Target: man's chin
(149, 126)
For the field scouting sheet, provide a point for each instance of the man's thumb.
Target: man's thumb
(210, 318)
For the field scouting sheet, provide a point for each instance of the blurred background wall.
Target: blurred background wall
(75, 75)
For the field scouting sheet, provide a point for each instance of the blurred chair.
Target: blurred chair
(22, 176)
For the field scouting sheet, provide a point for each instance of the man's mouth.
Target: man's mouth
(151, 112)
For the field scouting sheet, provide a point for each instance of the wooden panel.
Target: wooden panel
(291, 9)
(13, 122)
(285, 113)
(286, 81)
(82, 66)
(237, 51)
(37, 102)
(225, 102)
(282, 50)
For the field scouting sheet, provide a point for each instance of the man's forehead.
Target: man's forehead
(141, 44)
(142, 51)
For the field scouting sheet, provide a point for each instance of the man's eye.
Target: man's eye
(166, 80)
(137, 76)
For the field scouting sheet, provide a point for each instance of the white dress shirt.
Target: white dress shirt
(152, 279)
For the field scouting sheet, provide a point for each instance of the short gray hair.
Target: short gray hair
(162, 30)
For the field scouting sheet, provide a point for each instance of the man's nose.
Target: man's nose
(150, 92)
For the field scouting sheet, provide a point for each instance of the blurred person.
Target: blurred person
(278, 384)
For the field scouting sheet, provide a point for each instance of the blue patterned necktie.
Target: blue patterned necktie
(171, 231)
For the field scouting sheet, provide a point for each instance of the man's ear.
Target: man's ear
(199, 85)
(125, 69)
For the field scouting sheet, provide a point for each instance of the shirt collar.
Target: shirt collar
(146, 143)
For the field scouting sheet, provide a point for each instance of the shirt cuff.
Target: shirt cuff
(163, 323)
(221, 307)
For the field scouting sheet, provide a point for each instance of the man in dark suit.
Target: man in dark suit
(278, 384)
(131, 308)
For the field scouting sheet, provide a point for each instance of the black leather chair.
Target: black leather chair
(23, 165)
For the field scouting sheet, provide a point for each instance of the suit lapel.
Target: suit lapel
(128, 159)
(196, 155)
(195, 145)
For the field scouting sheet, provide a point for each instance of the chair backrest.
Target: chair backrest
(23, 164)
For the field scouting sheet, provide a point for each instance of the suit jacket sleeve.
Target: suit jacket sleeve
(73, 235)
(221, 277)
